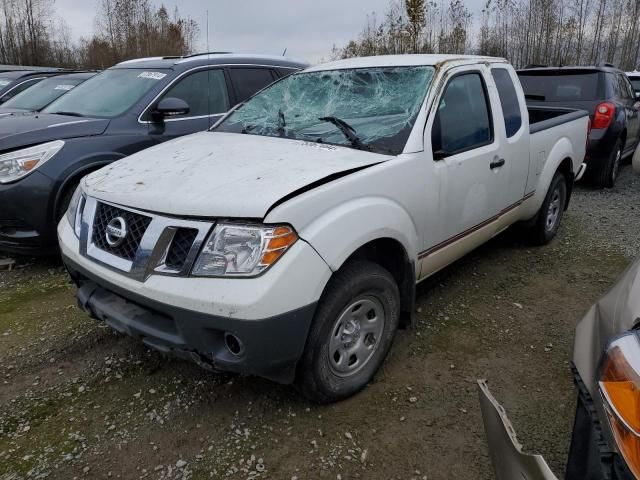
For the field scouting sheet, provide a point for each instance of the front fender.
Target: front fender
(340, 231)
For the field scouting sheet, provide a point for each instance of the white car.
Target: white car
(287, 241)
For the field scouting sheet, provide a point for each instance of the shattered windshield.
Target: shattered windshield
(371, 109)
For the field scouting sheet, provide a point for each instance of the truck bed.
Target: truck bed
(543, 118)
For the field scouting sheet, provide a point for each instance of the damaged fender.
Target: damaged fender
(509, 462)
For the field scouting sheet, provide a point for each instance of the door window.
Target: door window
(463, 120)
(205, 92)
(508, 100)
(248, 81)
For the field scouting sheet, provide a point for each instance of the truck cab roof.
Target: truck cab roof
(405, 60)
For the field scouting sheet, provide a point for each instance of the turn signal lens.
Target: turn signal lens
(620, 389)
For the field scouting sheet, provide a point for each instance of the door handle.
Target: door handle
(497, 164)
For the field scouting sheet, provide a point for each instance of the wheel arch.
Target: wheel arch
(87, 166)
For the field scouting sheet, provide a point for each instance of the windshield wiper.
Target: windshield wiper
(282, 122)
(70, 114)
(347, 130)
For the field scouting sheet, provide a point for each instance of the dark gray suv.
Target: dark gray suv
(129, 107)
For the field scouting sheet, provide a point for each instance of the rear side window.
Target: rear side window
(463, 120)
(561, 87)
(625, 87)
(197, 87)
(508, 100)
(248, 81)
(635, 81)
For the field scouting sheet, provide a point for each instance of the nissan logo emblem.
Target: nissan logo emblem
(116, 231)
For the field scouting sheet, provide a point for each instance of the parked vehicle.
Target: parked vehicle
(606, 93)
(129, 107)
(634, 77)
(41, 94)
(12, 82)
(287, 241)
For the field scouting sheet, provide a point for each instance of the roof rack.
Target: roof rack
(606, 64)
(204, 53)
(535, 65)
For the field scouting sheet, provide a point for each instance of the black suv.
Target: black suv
(129, 107)
(606, 93)
(12, 82)
(634, 77)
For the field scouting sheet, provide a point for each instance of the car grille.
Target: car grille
(136, 227)
(180, 248)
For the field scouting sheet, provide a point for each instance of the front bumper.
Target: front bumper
(189, 317)
(26, 211)
(270, 347)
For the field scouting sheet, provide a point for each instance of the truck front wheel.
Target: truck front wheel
(550, 215)
(351, 334)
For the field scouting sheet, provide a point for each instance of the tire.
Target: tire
(65, 200)
(608, 174)
(345, 347)
(550, 214)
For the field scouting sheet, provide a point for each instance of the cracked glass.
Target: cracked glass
(372, 109)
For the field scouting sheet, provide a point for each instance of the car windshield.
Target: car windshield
(636, 83)
(108, 94)
(43, 93)
(561, 87)
(367, 108)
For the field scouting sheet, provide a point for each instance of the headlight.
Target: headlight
(17, 164)
(243, 250)
(620, 390)
(74, 212)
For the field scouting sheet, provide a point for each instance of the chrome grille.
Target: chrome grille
(180, 248)
(136, 227)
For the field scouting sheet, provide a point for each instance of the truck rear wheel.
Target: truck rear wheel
(550, 215)
(351, 334)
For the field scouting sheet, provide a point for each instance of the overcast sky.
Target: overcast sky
(308, 29)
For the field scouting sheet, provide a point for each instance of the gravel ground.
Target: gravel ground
(78, 401)
(612, 215)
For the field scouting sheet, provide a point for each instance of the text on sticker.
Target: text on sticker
(152, 75)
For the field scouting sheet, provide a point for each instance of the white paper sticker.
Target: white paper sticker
(152, 75)
(64, 87)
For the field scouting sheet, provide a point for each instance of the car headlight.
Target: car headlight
(619, 386)
(74, 211)
(243, 249)
(17, 164)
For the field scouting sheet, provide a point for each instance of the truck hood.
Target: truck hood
(27, 129)
(211, 174)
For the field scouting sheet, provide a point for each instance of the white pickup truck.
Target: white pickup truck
(287, 241)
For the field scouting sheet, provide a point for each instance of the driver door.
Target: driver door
(469, 163)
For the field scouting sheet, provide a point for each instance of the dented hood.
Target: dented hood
(222, 174)
(615, 313)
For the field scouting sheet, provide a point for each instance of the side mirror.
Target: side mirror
(170, 107)
(636, 160)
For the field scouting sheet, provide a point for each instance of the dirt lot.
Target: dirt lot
(79, 401)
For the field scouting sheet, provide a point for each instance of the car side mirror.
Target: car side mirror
(636, 160)
(171, 107)
(441, 154)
